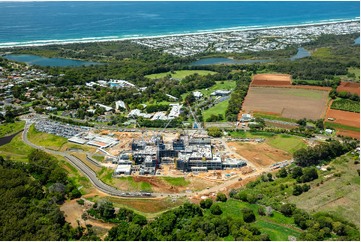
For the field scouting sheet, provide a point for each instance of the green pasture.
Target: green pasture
(273, 117)
(16, 150)
(220, 85)
(176, 181)
(7, 129)
(180, 74)
(283, 142)
(219, 108)
(340, 126)
(322, 53)
(286, 143)
(279, 227)
(337, 190)
(346, 105)
(44, 139)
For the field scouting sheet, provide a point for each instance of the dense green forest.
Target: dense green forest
(30, 197)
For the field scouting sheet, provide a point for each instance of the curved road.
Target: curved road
(81, 167)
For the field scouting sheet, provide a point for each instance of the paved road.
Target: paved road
(81, 167)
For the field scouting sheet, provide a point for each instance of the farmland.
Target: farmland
(293, 103)
(346, 105)
(350, 87)
(344, 118)
(180, 74)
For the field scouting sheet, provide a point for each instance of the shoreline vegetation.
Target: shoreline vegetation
(35, 43)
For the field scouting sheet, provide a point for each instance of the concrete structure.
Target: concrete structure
(220, 93)
(123, 170)
(246, 117)
(120, 83)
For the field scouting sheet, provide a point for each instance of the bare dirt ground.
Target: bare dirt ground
(294, 103)
(271, 79)
(261, 155)
(73, 214)
(344, 117)
(350, 87)
(349, 133)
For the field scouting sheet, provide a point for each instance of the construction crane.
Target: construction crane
(196, 122)
(158, 142)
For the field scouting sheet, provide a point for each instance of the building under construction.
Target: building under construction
(187, 153)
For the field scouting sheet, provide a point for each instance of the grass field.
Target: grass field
(278, 226)
(11, 128)
(180, 74)
(346, 105)
(273, 117)
(356, 71)
(16, 150)
(283, 142)
(150, 208)
(308, 82)
(323, 53)
(44, 139)
(339, 195)
(176, 181)
(220, 85)
(287, 143)
(340, 126)
(219, 108)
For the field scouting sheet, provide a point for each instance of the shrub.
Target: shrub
(221, 197)
(248, 215)
(207, 203)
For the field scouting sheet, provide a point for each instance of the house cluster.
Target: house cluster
(18, 75)
(239, 41)
(173, 113)
(111, 83)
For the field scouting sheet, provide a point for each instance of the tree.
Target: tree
(214, 132)
(297, 190)
(248, 215)
(106, 209)
(206, 203)
(296, 172)
(221, 197)
(282, 173)
(287, 209)
(216, 209)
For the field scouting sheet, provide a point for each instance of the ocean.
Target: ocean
(38, 23)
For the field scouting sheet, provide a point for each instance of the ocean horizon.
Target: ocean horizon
(44, 23)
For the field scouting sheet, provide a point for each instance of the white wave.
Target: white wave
(139, 36)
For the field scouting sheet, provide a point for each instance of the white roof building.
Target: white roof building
(197, 94)
(107, 108)
(175, 111)
(160, 116)
(119, 104)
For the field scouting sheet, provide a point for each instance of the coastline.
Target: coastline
(35, 43)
